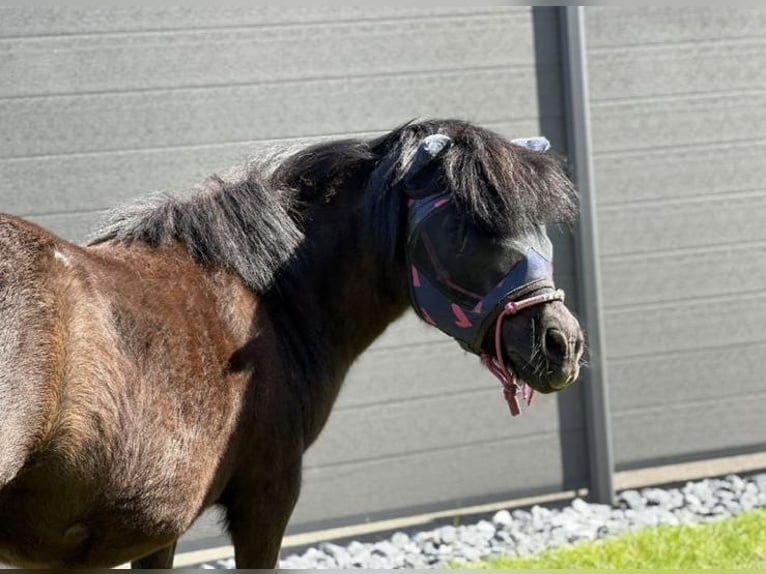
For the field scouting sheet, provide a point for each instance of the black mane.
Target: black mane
(242, 226)
(254, 225)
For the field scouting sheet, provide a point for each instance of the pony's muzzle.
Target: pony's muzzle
(545, 346)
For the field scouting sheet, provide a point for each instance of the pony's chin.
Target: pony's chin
(553, 382)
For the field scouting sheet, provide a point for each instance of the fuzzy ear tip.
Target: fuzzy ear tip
(435, 144)
(539, 143)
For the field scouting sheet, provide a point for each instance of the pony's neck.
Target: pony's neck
(335, 298)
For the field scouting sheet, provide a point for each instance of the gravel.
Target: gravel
(525, 532)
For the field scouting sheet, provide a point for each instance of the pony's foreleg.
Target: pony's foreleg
(162, 558)
(257, 513)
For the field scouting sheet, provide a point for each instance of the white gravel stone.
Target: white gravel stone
(502, 519)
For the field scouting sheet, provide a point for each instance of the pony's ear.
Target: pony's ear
(535, 144)
(419, 177)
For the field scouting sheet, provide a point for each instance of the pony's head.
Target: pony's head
(466, 210)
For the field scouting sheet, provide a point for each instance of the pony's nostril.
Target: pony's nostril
(555, 346)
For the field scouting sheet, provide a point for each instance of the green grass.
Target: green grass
(738, 542)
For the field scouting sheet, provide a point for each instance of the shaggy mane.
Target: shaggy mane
(253, 225)
(241, 225)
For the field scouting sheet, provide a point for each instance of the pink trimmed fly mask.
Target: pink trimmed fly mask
(466, 282)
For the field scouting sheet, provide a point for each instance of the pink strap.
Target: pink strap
(496, 365)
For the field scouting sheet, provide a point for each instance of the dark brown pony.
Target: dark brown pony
(192, 352)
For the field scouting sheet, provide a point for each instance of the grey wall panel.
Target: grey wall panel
(715, 271)
(77, 64)
(424, 481)
(684, 325)
(412, 371)
(674, 432)
(679, 134)
(651, 71)
(123, 121)
(18, 21)
(659, 379)
(688, 404)
(653, 227)
(81, 182)
(647, 25)
(685, 122)
(703, 169)
(475, 414)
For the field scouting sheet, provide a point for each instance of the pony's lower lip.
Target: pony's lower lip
(540, 388)
(519, 379)
(509, 364)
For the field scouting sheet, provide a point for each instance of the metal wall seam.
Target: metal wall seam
(575, 72)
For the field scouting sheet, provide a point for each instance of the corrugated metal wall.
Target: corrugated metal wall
(101, 106)
(679, 131)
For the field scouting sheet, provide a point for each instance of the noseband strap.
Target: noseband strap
(496, 365)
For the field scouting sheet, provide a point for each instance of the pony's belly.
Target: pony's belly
(47, 556)
(58, 525)
(83, 544)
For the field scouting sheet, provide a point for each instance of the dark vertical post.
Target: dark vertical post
(575, 70)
